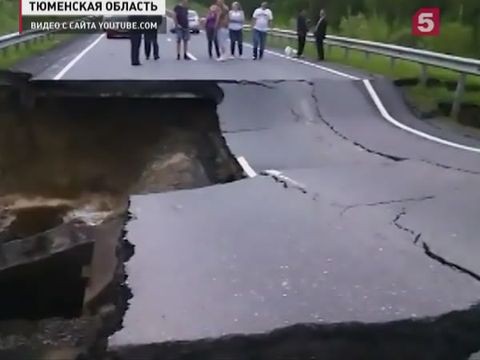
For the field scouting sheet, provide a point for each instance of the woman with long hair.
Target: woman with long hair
(222, 28)
(235, 27)
(211, 31)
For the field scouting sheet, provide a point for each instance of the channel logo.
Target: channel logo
(426, 22)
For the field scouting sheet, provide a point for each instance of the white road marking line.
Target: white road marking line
(386, 115)
(279, 176)
(246, 167)
(380, 107)
(339, 73)
(77, 58)
(191, 56)
(332, 71)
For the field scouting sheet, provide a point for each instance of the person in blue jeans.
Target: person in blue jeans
(211, 31)
(237, 20)
(261, 22)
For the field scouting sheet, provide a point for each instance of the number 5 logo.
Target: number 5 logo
(426, 22)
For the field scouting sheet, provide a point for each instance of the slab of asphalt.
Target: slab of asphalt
(325, 241)
(251, 257)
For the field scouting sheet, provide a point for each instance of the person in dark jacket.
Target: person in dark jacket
(151, 38)
(135, 39)
(302, 31)
(182, 29)
(320, 32)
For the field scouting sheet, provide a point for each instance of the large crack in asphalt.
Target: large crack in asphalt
(417, 241)
(386, 202)
(396, 222)
(416, 236)
(376, 152)
(443, 261)
(342, 136)
(447, 167)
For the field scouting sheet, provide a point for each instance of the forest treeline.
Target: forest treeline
(387, 20)
(8, 16)
(377, 20)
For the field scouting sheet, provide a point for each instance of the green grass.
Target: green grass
(422, 96)
(201, 9)
(423, 100)
(13, 55)
(8, 16)
(9, 24)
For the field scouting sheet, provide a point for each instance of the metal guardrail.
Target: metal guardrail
(15, 39)
(463, 66)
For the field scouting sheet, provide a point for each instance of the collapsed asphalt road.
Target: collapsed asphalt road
(345, 238)
(292, 261)
(325, 240)
(65, 194)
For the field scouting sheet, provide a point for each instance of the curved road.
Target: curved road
(344, 217)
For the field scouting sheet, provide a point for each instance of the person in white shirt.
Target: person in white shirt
(235, 26)
(261, 22)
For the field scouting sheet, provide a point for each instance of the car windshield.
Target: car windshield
(192, 14)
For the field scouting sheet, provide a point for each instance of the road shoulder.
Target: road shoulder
(55, 59)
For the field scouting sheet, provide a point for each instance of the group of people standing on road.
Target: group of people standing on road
(222, 24)
(319, 31)
(149, 38)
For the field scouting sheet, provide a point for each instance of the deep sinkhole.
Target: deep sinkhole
(78, 159)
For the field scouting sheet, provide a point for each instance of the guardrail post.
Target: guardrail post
(278, 40)
(457, 100)
(347, 51)
(423, 74)
(367, 55)
(329, 48)
(392, 63)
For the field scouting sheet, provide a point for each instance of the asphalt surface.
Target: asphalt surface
(109, 60)
(363, 222)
